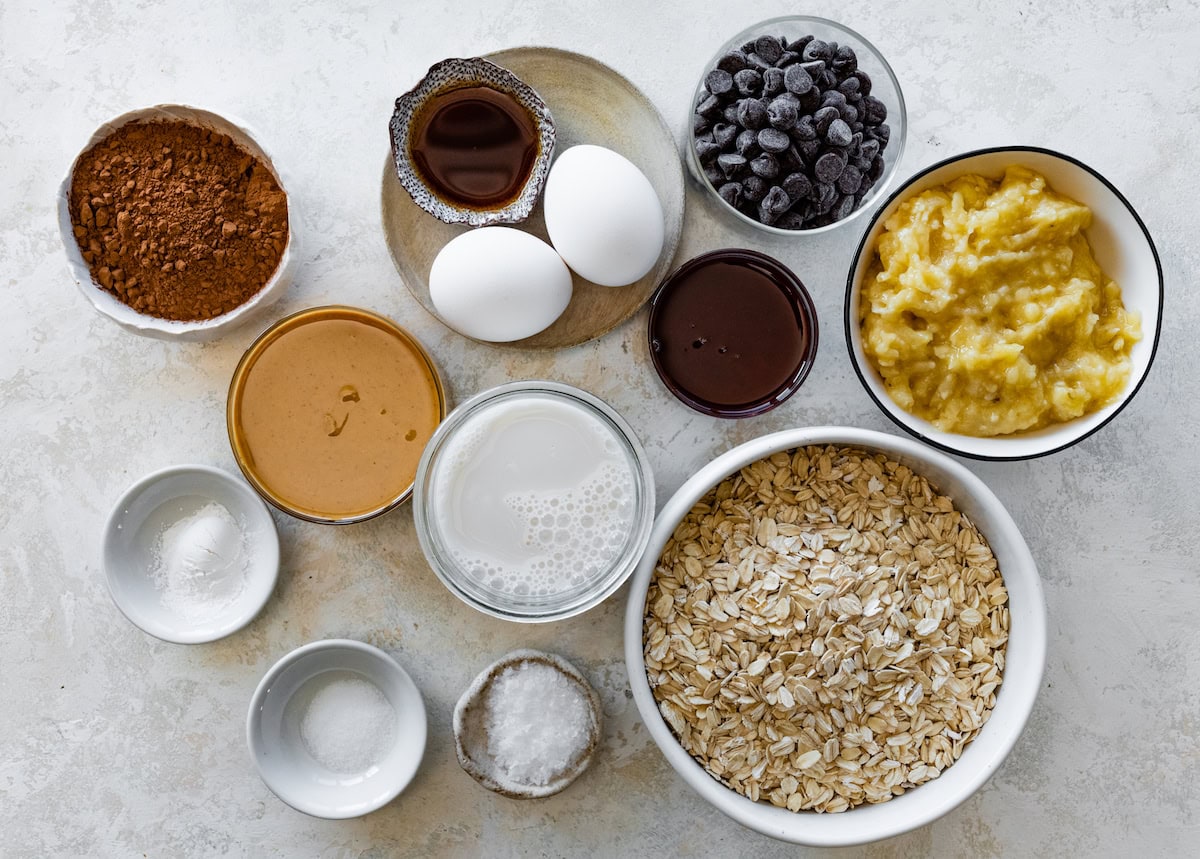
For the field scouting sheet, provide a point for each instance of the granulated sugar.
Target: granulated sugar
(538, 723)
(349, 725)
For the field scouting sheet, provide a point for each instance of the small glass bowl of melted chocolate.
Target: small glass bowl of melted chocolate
(733, 333)
(472, 143)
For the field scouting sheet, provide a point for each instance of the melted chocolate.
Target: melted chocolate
(733, 333)
(474, 146)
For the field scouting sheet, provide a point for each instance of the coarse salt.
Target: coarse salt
(539, 723)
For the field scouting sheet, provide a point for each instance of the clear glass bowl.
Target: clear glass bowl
(884, 86)
(432, 480)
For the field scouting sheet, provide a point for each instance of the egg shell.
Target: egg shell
(603, 215)
(499, 284)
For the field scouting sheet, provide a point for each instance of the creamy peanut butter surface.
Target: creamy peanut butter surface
(334, 412)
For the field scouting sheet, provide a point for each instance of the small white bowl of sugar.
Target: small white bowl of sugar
(528, 725)
(337, 729)
(191, 554)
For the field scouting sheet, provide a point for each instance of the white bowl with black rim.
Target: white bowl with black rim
(1121, 245)
(1025, 655)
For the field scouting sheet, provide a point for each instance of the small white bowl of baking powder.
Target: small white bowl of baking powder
(336, 728)
(191, 554)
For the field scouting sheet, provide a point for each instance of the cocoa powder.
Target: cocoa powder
(177, 221)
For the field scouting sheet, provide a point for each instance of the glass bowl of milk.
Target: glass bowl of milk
(533, 501)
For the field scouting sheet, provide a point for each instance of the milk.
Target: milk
(534, 496)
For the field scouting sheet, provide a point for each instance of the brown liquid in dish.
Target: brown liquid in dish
(730, 333)
(333, 414)
(474, 146)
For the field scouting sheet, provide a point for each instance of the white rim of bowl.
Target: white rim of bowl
(885, 180)
(851, 289)
(254, 725)
(728, 802)
(254, 502)
(645, 480)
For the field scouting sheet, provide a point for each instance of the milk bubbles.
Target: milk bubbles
(534, 497)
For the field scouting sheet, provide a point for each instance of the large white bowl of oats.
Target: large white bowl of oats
(836, 635)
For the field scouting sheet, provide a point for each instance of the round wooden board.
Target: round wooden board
(591, 103)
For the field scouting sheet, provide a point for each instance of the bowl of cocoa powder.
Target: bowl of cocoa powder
(176, 223)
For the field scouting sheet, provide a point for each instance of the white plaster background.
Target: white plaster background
(115, 744)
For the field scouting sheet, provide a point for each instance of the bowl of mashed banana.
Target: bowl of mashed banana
(1004, 304)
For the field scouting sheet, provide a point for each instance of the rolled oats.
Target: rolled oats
(823, 629)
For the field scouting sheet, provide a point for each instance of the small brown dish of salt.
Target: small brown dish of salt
(528, 725)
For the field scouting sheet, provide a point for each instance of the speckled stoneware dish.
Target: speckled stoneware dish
(450, 75)
(471, 737)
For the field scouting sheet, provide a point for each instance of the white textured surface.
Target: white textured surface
(117, 744)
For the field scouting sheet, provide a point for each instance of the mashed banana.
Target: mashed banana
(985, 312)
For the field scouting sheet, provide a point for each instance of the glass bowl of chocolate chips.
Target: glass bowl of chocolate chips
(798, 124)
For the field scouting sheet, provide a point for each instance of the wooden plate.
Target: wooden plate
(591, 103)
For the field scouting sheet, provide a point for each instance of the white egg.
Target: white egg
(499, 284)
(603, 216)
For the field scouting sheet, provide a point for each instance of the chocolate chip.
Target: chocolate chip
(772, 81)
(751, 113)
(766, 166)
(748, 82)
(850, 180)
(733, 62)
(845, 61)
(827, 169)
(864, 82)
(797, 80)
(700, 123)
(724, 134)
(707, 150)
(757, 62)
(838, 133)
(783, 113)
(773, 204)
(817, 50)
(797, 45)
(804, 129)
(731, 193)
(768, 47)
(747, 143)
(718, 82)
(844, 207)
(754, 188)
(874, 111)
(730, 163)
(709, 106)
(823, 117)
(833, 98)
(797, 186)
(773, 140)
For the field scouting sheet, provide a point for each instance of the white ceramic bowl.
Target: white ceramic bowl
(1122, 246)
(143, 323)
(277, 709)
(1025, 656)
(131, 538)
